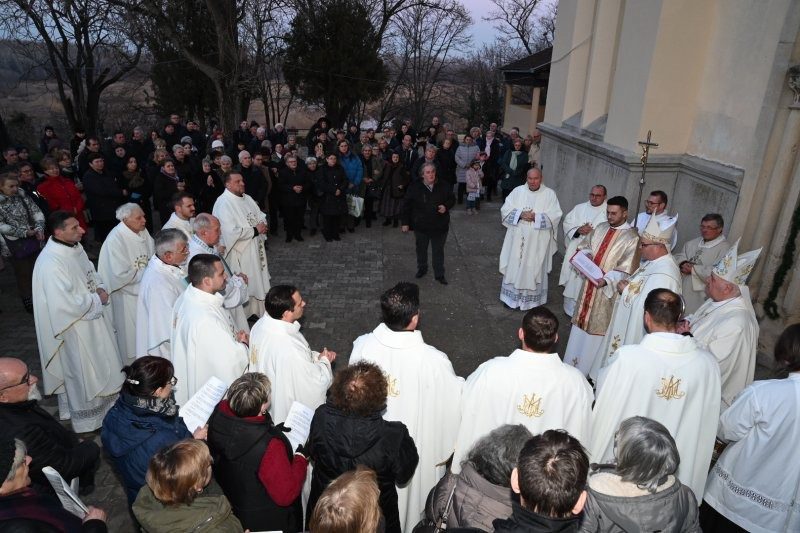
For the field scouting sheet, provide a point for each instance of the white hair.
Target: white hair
(242, 154)
(126, 210)
(166, 240)
(226, 159)
(203, 221)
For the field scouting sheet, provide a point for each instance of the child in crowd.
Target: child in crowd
(474, 177)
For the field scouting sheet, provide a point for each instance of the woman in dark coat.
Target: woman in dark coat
(144, 420)
(446, 159)
(333, 204)
(349, 431)
(166, 184)
(395, 181)
(513, 167)
(253, 460)
(294, 192)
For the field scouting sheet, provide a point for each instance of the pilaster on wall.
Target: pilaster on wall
(570, 59)
(602, 59)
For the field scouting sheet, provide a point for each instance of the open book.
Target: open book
(69, 499)
(587, 267)
(198, 409)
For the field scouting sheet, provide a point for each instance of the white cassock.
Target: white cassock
(75, 334)
(160, 287)
(235, 293)
(528, 248)
(424, 394)
(536, 390)
(572, 281)
(176, 222)
(729, 330)
(123, 258)
(203, 343)
(669, 378)
(643, 218)
(627, 320)
(755, 481)
(297, 373)
(245, 251)
(704, 255)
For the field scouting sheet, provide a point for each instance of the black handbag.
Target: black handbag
(428, 526)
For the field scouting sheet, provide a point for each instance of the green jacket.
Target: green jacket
(206, 513)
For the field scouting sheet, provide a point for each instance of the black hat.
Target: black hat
(8, 450)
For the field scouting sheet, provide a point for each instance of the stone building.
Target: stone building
(714, 81)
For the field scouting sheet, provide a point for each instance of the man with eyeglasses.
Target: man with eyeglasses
(48, 442)
(698, 257)
(658, 270)
(77, 344)
(656, 206)
(578, 223)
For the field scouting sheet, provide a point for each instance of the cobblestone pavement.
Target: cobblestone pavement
(341, 283)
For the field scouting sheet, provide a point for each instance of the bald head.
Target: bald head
(16, 382)
(207, 228)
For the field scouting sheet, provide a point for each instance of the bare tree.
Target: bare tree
(430, 37)
(517, 20)
(86, 46)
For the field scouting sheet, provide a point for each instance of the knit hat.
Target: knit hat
(217, 144)
(186, 140)
(660, 230)
(8, 450)
(735, 268)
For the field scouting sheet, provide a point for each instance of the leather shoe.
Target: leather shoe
(420, 273)
(442, 280)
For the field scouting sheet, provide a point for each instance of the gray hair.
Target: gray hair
(290, 156)
(166, 241)
(427, 165)
(310, 160)
(138, 129)
(248, 393)
(646, 453)
(20, 451)
(175, 147)
(242, 154)
(203, 221)
(495, 454)
(431, 147)
(226, 159)
(126, 210)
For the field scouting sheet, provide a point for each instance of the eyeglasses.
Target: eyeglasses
(648, 202)
(26, 380)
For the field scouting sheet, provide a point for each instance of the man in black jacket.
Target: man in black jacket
(427, 204)
(103, 196)
(294, 186)
(550, 479)
(48, 442)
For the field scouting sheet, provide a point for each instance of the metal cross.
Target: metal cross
(646, 145)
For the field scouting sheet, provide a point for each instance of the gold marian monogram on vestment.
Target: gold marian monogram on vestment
(253, 356)
(394, 390)
(670, 389)
(531, 406)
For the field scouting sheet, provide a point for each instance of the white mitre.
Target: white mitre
(735, 268)
(660, 230)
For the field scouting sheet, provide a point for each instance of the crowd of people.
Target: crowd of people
(655, 385)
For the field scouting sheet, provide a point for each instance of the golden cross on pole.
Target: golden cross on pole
(646, 145)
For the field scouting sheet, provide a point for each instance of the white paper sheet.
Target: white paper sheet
(586, 266)
(299, 420)
(69, 499)
(198, 409)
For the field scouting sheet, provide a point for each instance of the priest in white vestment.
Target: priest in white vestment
(754, 483)
(531, 213)
(77, 346)
(698, 257)
(206, 240)
(424, 392)
(164, 280)
(612, 246)
(204, 340)
(244, 229)
(532, 387)
(577, 224)
(658, 270)
(123, 258)
(669, 378)
(726, 324)
(183, 216)
(279, 350)
(656, 207)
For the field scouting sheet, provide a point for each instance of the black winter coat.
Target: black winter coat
(525, 521)
(238, 446)
(103, 195)
(338, 442)
(420, 206)
(333, 179)
(288, 179)
(48, 442)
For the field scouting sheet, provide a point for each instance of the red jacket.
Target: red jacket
(62, 195)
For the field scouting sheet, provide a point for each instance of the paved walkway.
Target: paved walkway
(342, 282)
